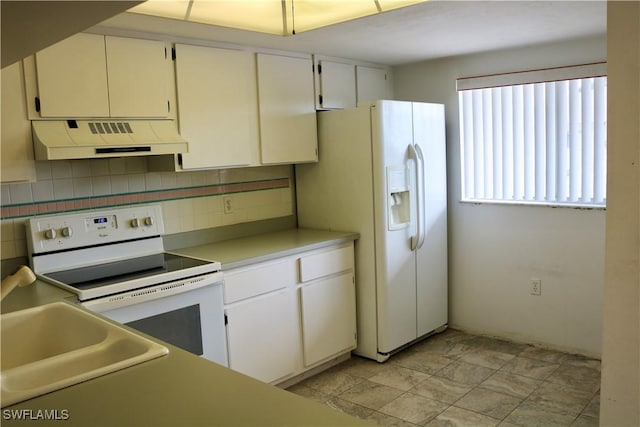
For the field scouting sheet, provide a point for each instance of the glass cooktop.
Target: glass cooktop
(98, 275)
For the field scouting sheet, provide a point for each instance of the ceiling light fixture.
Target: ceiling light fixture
(280, 17)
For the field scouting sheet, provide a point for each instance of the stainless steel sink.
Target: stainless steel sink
(56, 345)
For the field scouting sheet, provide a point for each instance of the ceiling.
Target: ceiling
(435, 29)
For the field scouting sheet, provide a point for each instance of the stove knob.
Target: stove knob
(135, 223)
(50, 234)
(148, 221)
(66, 231)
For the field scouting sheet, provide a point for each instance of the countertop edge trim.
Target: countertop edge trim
(226, 266)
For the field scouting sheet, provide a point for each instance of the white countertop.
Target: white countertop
(264, 247)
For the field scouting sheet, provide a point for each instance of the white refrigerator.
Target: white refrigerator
(382, 173)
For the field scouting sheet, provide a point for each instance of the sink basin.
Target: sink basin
(56, 345)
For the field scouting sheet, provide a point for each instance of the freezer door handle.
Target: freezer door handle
(420, 184)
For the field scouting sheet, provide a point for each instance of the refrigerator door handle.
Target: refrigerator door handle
(420, 184)
(413, 155)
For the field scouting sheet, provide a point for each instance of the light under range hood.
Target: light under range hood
(99, 138)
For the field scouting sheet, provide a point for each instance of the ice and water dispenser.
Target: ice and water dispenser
(398, 197)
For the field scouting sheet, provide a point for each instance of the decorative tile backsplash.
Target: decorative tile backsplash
(190, 200)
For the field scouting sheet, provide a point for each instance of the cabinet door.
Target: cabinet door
(263, 336)
(72, 78)
(288, 132)
(17, 149)
(337, 85)
(371, 84)
(138, 77)
(217, 106)
(328, 317)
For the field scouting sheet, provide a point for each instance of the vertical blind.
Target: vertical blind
(539, 142)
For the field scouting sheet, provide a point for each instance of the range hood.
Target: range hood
(99, 138)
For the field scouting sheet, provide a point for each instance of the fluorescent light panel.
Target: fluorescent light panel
(281, 17)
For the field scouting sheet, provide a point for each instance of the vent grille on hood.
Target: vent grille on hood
(110, 127)
(84, 139)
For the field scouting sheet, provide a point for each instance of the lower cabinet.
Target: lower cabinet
(262, 336)
(289, 315)
(328, 317)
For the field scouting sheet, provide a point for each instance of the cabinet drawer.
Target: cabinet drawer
(258, 280)
(326, 263)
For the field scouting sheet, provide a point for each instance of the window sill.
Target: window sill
(534, 204)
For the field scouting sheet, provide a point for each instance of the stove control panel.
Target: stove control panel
(97, 223)
(88, 228)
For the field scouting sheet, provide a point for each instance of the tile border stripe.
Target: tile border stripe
(113, 200)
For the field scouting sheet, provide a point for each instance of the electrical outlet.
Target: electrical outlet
(535, 287)
(228, 204)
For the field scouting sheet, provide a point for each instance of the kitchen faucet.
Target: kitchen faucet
(22, 277)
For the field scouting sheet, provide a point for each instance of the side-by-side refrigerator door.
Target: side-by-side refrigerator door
(431, 293)
(392, 134)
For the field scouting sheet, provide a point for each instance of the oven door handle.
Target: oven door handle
(150, 293)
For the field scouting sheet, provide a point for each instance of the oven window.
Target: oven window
(180, 327)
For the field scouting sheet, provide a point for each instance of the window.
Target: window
(538, 142)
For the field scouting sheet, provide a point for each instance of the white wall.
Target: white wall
(620, 399)
(494, 250)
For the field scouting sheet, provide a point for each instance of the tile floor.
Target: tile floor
(458, 379)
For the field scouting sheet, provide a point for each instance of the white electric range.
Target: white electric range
(114, 261)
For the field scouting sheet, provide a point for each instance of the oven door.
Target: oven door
(192, 320)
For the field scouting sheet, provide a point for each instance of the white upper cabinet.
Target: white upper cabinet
(371, 84)
(72, 78)
(217, 106)
(344, 83)
(89, 75)
(288, 132)
(15, 142)
(138, 77)
(336, 83)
